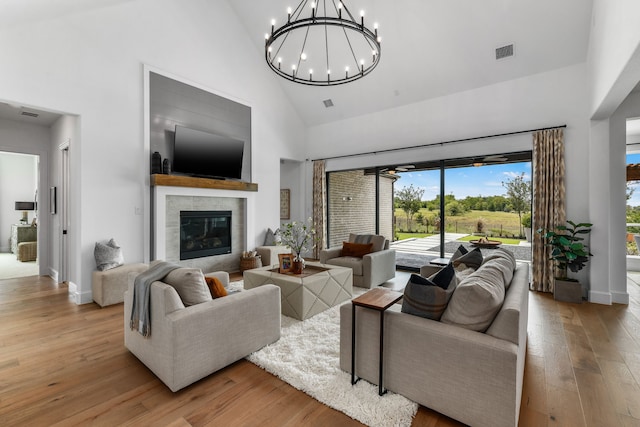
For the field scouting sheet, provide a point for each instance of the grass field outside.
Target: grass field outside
(496, 224)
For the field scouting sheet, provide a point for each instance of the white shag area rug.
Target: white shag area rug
(307, 356)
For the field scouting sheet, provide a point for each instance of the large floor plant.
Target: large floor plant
(569, 253)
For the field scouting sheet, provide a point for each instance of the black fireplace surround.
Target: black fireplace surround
(204, 233)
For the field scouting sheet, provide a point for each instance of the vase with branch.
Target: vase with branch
(299, 236)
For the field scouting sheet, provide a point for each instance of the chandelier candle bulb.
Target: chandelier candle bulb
(375, 28)
(273, 25)
(288, 15)
(362, 19)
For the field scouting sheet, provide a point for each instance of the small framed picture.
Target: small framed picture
(285, 203)
(286, 263)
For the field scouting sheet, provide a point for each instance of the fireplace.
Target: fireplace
(204, 233)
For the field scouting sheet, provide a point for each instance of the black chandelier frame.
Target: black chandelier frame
(349, 25)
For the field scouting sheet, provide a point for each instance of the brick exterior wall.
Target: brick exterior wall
(352, 209)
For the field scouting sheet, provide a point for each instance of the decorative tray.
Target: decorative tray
(485, 244)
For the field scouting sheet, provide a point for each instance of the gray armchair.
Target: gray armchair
(189, 343)
(372, 269)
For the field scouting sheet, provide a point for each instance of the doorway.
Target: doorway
(19, 177)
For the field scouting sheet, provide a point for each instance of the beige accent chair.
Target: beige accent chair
(269, 254)
(372, 269)
(190, 343)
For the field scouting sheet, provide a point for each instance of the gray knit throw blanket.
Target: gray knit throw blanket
(141, 307)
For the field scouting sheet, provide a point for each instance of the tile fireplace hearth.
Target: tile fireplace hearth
(167, 203)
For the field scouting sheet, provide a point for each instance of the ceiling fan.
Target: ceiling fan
(401, 168)
(494, 158)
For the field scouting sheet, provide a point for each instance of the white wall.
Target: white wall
(91, 64)
(63, 132)
(614, 54)
(613, 71)
(292, 177)
(17, 184)
(548, 99)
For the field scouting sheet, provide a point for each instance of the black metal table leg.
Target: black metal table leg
(381, 389)
(353, 345)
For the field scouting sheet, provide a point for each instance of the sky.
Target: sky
(483, 180)
(468, 181)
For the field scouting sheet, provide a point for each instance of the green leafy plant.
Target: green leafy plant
(568, 251)
(526, 220)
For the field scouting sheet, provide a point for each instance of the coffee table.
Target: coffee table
(319, 287)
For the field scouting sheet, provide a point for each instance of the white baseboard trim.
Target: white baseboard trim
(620, 297)
(79, 297)
(53, 274)
(600, 297)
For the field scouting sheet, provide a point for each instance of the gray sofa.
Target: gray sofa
(189, 343)
(473, 377)
(370, 270)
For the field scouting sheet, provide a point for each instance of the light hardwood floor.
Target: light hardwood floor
(63, 364)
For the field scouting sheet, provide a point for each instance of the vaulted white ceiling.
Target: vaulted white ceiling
(431, 48)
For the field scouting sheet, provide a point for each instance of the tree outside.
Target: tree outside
(409, 199)
(519, 194)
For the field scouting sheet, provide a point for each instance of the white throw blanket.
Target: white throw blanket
(140, 308)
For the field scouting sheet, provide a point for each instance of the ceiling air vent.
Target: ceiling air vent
(29, 114)
(504, 51)
(328, 103)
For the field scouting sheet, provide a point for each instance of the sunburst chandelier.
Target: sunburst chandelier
(322, 44)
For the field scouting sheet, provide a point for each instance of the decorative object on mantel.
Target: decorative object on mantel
(285, 203)
(166, 167)
(568, 252)
(300, 237)
(321, 38)
(156, 163)
(249, 260)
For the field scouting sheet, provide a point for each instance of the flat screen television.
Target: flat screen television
(205, 154)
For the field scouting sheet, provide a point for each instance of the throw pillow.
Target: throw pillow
(270, 238)
(429, 297)
(379, 242)
(190, 285)
(216, 288)
(458, 253)
(472, 259)
(356, 249)
(477, 300)
(108, 255)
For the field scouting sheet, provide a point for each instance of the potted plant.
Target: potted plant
(526, 223)
(568, 253)
(300, 237)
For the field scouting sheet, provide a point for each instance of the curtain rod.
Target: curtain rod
(388, 150)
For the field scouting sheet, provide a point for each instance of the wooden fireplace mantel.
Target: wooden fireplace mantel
(188, 181)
